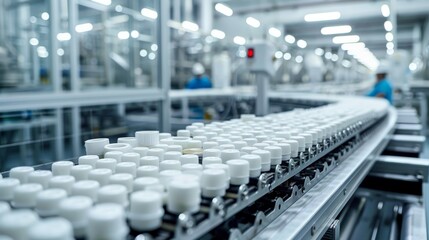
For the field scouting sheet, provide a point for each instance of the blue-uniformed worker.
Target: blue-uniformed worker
(199, 80)
(382, 88)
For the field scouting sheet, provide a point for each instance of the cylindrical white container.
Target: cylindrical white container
(130, 140)
(25, 195)
(293, 147)
(107, 163)
(7, 186)
(202, 139)
(165, 177)
(16, 224)
(146, 210)
(194, 144)
(276, 154)
(149, 161)
(62, 182)
(286, 150)
(183, 133)
(48, 201)
(127, 167)
(113, 193)
(157, 152)
(211, 152)
(172, 155)
(211, 160)
(229, 154)
(162, 146)
(142, 183)
(250, 141)
(100, 175)
(170, 165)
(210, 145)
(96, 146)
(124, 179)
(239, 144)
(131, 157)
(188, 159)
(147, 138)
(87, 188)
(61, 168)
(148, 171)
(255, 165)
(142, 151)
(261, 138)
(88, 160)
(192, 169)
(120, 147)
(301, 142)
(213, 182)
(226, 146)
(247, 150)
(4, 208)
(239, 171)
(107, 221)
(183, 195)
(265, 159)
(174, 148)
(261, 145)
(41, 177)
(117, 155)
(75, 210)
(308, 139)
(51, 229)
(164, 136)
(80, 172)
(222, 166)
(21, 173)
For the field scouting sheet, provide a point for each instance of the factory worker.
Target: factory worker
(199, 80)
(382, 87)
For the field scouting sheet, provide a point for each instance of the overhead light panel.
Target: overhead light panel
(388, 26)
(390, 51)
(84, 27)
(390, 45)
(253, 22)
(45, 16)
(385, 10)
(34, 41)
(239, 40)
(275, 32)
(287, 56)
(225, 10)
(319, 51)
(299, 59)
(301, 43)
(278, 54)
(346, 39)
(149, 13)
(326, 16)
(63, 36)
(289, 39)
(217, 34)
(123, 35)
(336, 30)
(334, 57)
(103, 2)
(351, 46)
(190, 26)
(389, 36)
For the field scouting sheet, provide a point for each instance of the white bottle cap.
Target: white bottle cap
(131, 157)
(248, 150)
(130, 140)
(250, 141)
(48, 201)
(120, 147)
(191, 129)
(211, 152)
(172, 155)
(88, 160)
(301, 142)
(184, 195)
(239, 144)
(293, 147)
(286, 150)
(148, 171)
(142, 183)
(313, 136)
(41, 177)
(24, 196)
(115, 155)
(194, 144)
(183, 133)
(239, 171)
(284, 135)
(147, 138)
(4, 208)
(261, 145)
(211, 160)
(149, 161)
(222, 141)
(101, 175)
(157, 152)
(213, 182)
(270, 142)
(235, 138)
(229, 154)
(255, 165)
(202, 139)
(308, 139)
(188, 158)
(80, 172)
(21, 173)
(113, 193)
(174, 148)
(226, 146)
(162, 146)
(182, 141)
(87, 188)
(7, 186)
(170, 165)
(198, 124)
(210, 135)
(62, 182)
(96, 146)
(210, 145)
(166, 176)
(108, 163)
(192, 169)
(261, 138)
(75, 210)
(142, 151)
(124, 179)
(16, 224)
(146, 210)
(164, 136)
(106, 221)
(61, 167)
(127, 167)
(51, 229)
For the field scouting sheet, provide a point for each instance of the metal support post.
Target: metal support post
(74, 46)
(54, 24)
(76, 136)
(164, 65)
(262, 85)
(59, 134)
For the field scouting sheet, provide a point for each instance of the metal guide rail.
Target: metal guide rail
(305, 170)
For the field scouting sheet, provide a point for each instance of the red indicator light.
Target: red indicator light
(250, 53)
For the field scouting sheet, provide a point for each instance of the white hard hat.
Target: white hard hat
(198, 69)
(382, 68)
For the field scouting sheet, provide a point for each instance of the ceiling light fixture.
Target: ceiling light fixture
(316, 17)
(225, 10)
(336, 30)
(346, 39)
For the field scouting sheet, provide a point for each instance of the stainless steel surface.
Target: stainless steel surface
(406, 143)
